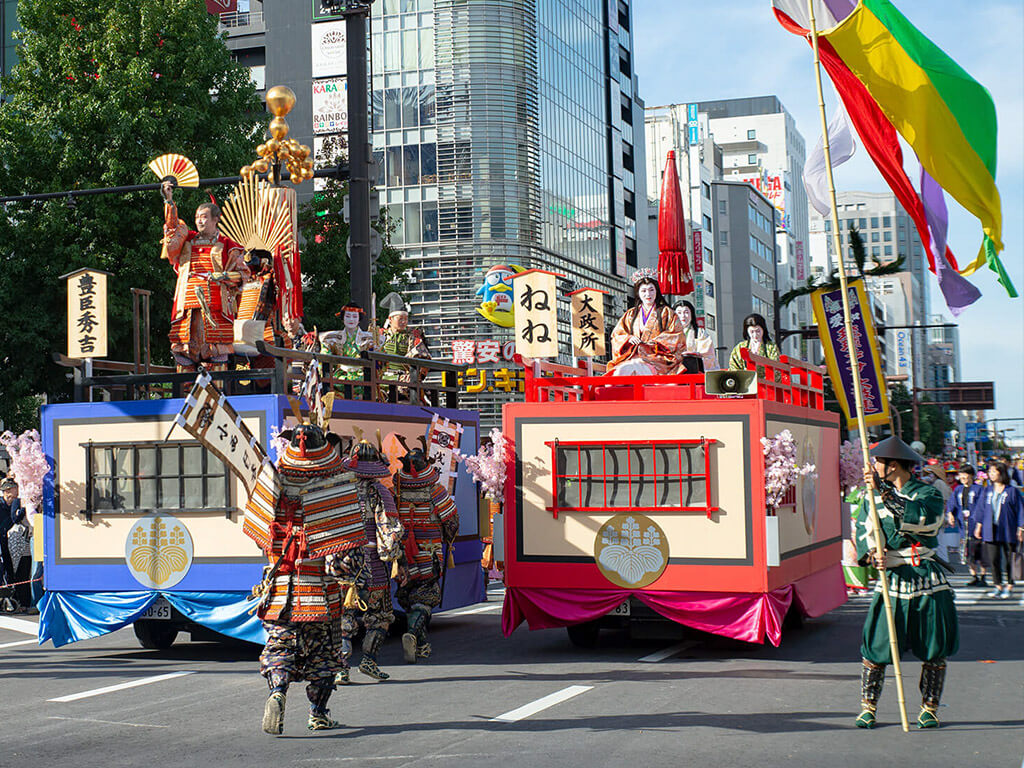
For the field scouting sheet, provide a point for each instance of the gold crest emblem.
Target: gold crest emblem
(159, 551)
(631, 550)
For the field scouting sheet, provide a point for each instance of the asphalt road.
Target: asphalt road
(529, 700)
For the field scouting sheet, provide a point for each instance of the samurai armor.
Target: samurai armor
(260, 509)
(305, 595)
(933, 677)
(872, 676)
(332, 518)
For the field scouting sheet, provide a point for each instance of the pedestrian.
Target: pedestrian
(961, 506)
(911, 515)
(15, 564)
(1000, 524)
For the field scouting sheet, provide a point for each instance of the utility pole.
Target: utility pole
(356, 15)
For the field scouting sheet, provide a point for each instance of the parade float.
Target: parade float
(153, 468)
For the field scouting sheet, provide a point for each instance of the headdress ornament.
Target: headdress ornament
(644, 273)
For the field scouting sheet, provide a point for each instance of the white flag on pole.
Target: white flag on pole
(841, 146)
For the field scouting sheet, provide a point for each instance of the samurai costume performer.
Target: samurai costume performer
(298, 514)
(210, 272)
(661, 337)
(379, 558)
(922, 601)
(430, 519)
(346, 343)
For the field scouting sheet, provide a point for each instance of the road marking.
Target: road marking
(541, 704)
(418, 758)
(107, 722)
(666, 653)
(19, 625)
(19, 642)
(121, 686)
(491, 608)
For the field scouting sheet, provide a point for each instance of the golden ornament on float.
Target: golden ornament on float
(279, 150)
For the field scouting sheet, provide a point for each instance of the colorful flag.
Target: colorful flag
(957, 290)
(841, 148)
(892, 78)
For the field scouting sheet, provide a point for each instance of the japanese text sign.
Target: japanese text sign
(87, 313)
(535, 313)
(588, 322)
(828, 314)
(444, 438)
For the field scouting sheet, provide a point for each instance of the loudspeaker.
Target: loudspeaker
(730, 382)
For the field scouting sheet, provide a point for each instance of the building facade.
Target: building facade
(504, 132)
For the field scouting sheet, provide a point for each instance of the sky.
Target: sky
(696, 51)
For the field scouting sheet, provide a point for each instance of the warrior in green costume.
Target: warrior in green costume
(911, 515)
(350, 341)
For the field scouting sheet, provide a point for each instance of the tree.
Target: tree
(102, 88)
(325, 262)
(933, 421)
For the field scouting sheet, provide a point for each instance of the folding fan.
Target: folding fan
(177, 167)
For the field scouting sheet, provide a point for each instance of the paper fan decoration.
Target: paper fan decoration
(177, 167)
(256, 217)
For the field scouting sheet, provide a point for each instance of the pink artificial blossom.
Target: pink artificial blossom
(851, 464)
(278, 444)
(28, 465)
(780, 468)
(489, 467)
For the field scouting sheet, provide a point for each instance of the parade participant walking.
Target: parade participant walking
(381, 553)
(210, 273)
(960, 507)
(431, 521)
(300, 606)
(911, 515)
(756, 339)
(698, 346)
(999, 522)
(648, 337)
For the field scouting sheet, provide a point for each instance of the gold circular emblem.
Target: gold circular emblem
(158, 550)
(631, 550)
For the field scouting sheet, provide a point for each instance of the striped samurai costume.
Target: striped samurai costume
(377, 558)
(304, 511)
(925, 617)
(429, 515)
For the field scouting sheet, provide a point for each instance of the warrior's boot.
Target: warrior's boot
(318, 692)
(273, 711)
(416, 636)
(372, 642)
(342, 678)
(933, 676)
(871, 678)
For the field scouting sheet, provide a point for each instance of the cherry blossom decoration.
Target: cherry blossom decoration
(851, 465)
(28, 466)
(780, 468)
(489, 467)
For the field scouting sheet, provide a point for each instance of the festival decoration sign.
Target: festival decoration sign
(588, 338)
(208, 416)
(330, 105)
(329, 57)
(828, 315)
(87, 313)
(536, 318)
(496, 294)
(631, 550)
(443, 439)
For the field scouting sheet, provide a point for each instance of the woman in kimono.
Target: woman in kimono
(756, 339)
(648, 337)
(699, 346)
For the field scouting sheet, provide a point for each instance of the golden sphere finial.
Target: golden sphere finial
(280, 100)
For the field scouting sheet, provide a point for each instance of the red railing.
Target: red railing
(786, 380)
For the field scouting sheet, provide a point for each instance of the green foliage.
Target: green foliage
(325, 262)
(100, 90)
(933, 421)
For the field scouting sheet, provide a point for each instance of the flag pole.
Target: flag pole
(858, 393)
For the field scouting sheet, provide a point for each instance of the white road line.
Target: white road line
(121, 686)
(491, 608)
(19, 625)
(107, 722)
(417, 758)
(19, 642)
(669, 652)
(541, 704)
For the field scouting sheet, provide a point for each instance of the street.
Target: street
(529, 700)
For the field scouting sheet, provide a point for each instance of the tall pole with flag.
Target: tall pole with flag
(855, 371)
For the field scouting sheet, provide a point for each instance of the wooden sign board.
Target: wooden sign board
(87, 313)
(588, 339)
(536, 316)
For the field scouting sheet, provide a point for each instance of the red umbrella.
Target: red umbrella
(674, 274)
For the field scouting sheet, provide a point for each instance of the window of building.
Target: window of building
(429, 220)
(887, 236)
(411, 160)
(722, 207)
(709, 322)
(705, 189)
(862, 223)
(886, 221)
(875, 251)
(707, 223)
(751, 135)
(145, 477)
(428, 163)
(828, 226)
(644, 475)
(874, 237)
(709, 289)
(723, 238)
(888, 250)
(709, 257)
(751, 159)
(874, 222)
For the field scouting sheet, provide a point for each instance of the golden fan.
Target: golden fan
(177, 167)
(256, 217)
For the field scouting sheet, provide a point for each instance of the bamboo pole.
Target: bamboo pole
(855, 369)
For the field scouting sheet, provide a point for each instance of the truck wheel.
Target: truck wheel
(584, 635)
(155, 635)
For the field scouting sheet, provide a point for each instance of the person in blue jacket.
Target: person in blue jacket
(998, 520)
(960, 507)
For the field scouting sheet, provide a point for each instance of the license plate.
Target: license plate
(159, 609)
(621, 609)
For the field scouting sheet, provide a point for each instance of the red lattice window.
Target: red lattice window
(638, 475)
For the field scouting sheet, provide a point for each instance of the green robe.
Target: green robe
(922, 599)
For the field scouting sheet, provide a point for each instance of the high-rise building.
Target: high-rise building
(761, 145)
(887, 233)
(680, 128)
(8, 26)
(504, 132)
